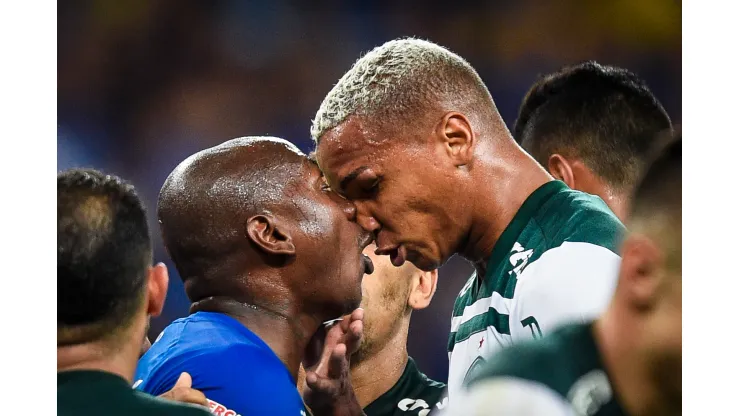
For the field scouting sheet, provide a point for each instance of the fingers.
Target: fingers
(338, 363)
(184, 393)
(184, 381)
(321, 385)
(188, 395)
(354, 334)
(356, 315)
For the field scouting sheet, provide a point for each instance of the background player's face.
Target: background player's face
(328, 244)
(667, 326)
(385, 299)
(404, 189)
(652, 272)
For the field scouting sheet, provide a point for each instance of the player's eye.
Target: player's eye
(371, 189)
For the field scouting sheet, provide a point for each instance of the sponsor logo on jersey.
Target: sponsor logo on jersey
(410, 405)
(519, 259)
(220, 410)
(590, 393)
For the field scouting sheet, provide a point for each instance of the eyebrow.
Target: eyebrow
(352, 176)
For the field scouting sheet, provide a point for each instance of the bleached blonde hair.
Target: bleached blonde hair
(399, 78)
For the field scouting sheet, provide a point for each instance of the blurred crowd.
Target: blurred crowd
(143, 84)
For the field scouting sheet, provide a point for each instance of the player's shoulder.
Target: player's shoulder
(207, 333)
(575, 216)
(555, 361)
(422, 380)
(150, 405)
(207, 347)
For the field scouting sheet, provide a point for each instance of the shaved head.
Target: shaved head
(205, 202)
(252, 220)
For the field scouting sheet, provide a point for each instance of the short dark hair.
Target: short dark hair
(656, 200)
(604, 115)
(659, 190)
(103, 251)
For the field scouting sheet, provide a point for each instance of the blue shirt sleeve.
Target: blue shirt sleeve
(237, 380)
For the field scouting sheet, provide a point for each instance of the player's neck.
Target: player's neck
(502, 186)
(286, 333)
(377, 373)
(619, 204)
(99, 357)
(629, 367)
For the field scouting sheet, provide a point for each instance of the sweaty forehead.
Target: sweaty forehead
(348, 147)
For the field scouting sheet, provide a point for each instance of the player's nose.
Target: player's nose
(366, 220)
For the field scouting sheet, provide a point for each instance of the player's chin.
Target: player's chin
(424, 261)
(353, 297)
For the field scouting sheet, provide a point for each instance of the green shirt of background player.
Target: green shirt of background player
(627, 362)
(106, 291)
(385, 379)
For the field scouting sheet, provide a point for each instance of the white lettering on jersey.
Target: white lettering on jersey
(441, 405)
(220, 410)
(408, 405)
(590, 392)
(519, 259)
(138, 382)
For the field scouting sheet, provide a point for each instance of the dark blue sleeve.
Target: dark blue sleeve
(240, 380)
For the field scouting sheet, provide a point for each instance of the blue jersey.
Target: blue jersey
(233, 367)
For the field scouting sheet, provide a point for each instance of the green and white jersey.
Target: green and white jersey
(555, 263)
(414, 394)
(560, 375)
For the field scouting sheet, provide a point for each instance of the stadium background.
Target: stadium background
(144, 84)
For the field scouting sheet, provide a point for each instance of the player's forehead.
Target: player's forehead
(348, 148)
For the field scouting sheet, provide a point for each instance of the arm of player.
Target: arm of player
(506, 396)
(238, 381)
(571, 283)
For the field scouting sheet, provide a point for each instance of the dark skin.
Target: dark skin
(431, 187)
(280, 260)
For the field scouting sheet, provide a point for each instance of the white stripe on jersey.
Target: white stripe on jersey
(495, 301)
(573, 282)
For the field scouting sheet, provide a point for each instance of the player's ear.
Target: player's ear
(270, 234)
(156, 289)
(456, 134)
(641, 271)
(423, 286)
(560, 169)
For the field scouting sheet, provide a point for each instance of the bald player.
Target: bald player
(267, 253)
(627, 362)
(593, 127)
(386, 380)
(411, 135)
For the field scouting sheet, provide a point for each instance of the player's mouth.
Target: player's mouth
(397, 254)
(365, 240)
(368, 264)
